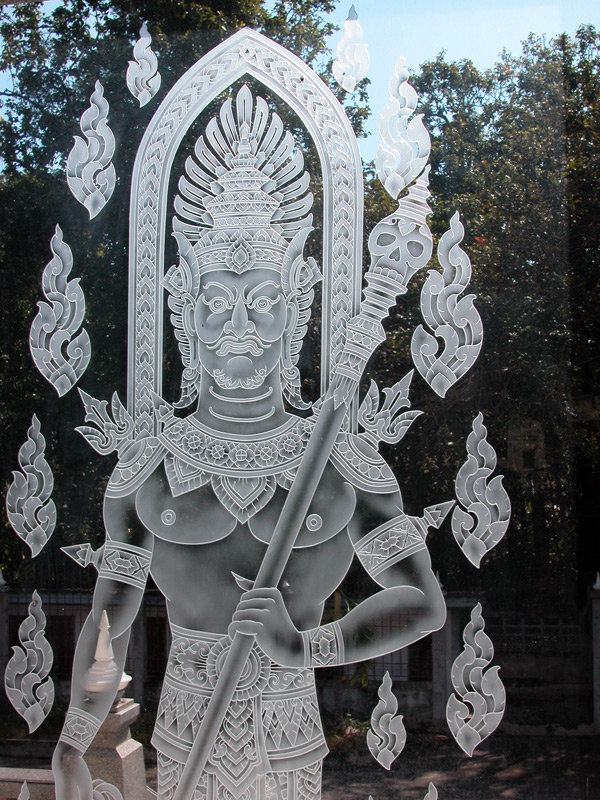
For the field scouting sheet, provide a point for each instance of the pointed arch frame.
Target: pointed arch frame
(246, 52)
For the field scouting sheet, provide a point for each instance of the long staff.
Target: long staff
(387, 277)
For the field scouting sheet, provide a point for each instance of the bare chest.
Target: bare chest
(203, 584)
(211, 513)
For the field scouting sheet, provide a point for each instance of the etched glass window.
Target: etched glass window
(300, 403)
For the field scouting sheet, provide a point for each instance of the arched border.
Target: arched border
(246, 52)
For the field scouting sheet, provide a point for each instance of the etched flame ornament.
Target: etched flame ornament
(387, 735)
(60, 355)
(26, 680)
(29, 507)
(90, 173)
(476, 709)
(24, 794)
(106, 434)
(352, 62)
(143, 77)
(455, 321)
(405, 142)
(432, 793)
(484, 518)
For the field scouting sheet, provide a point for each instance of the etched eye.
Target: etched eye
(217, 304)
(262, 304)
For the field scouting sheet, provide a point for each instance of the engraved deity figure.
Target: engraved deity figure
(195, 506)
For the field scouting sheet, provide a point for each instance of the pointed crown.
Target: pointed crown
(244, 197)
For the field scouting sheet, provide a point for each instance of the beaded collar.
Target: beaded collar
(249, 455)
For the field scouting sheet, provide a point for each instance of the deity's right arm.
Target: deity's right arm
(119, 590)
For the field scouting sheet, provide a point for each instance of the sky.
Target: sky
(475, 29)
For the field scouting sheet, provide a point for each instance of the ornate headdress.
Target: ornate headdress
(243, 203)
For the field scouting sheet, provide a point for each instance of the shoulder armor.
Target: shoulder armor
(362, 466)
(135, 464)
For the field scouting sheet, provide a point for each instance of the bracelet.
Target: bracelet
(323, 646)
(79, 729)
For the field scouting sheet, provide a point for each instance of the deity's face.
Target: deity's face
(240, 322)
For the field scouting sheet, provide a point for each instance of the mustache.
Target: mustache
(231, 344)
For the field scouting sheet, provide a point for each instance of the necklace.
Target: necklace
(247, 455)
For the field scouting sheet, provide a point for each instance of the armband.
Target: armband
(391, 542)
(125, 563)
(79, 729)
(323, 646)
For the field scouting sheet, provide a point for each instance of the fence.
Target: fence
(546, 650)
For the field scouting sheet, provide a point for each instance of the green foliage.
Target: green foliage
(514, 150)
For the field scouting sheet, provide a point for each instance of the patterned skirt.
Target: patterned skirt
(270, 744)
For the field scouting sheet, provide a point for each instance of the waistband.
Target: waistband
(197, 657)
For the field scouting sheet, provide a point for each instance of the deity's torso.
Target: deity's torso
(195, 559)
(211, 502)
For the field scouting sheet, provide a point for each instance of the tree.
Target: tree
(515, 150)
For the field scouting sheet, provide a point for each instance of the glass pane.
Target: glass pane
(300, 402)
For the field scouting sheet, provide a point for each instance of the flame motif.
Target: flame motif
(454, 320)
(90, 174)
(387, 424)
(479, 707)
(405, 147)
(58, 321)
(108, 434)
(352, 62)
(26, 680)
(485, 521)
(29, 508)
(24, 794)
(143, 77)
(387, 735)
(432, 793)
(400, 244)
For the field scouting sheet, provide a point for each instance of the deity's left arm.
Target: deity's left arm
(395, 555)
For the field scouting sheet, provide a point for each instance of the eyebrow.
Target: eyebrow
(261, 286)
(217, 285)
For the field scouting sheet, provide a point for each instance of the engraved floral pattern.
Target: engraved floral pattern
(90, 172)
(29, 506)
(477, 708)
(352, 62)
(452, 319)
(387, 735)
(276, 452)
(59, 346)
(485, 514)
(143, 77)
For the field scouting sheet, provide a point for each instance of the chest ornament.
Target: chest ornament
(243, 471)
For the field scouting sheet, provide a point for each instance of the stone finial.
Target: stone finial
(103, 672)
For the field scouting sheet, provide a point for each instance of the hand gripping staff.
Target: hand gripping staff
(400, 245)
